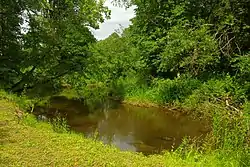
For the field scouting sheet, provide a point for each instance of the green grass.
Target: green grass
(69, 93)
(33, 143)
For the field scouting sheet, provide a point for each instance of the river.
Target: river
(130, 128)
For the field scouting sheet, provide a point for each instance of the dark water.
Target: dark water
(147, 130)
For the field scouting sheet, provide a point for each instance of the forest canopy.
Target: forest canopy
(167, 40)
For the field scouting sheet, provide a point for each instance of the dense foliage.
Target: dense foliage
(50, 43)
(173, 48)
(191, 54)
(44, 40)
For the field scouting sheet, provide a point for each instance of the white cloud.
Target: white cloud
(119, 16)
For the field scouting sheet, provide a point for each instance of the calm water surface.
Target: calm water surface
(147, 130)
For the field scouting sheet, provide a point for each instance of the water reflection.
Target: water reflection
(147, 130)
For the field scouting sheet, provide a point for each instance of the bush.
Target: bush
(22, 101)
(170, 91)
(95, 94)
(242, 65)
(130, 85)
(216, 91)
(159, 91)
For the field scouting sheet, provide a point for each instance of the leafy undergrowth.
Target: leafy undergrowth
(32, 143)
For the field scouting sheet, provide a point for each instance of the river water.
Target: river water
(146, 130)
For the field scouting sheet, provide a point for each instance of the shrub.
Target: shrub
(130, 85)
(22, 101)
(216, 91)
(178, 89)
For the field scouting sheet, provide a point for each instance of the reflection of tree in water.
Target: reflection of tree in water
(125, 128)
(150, 130)
(131, 128)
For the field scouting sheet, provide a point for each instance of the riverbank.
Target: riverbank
(35, 144)
(134, 101)
(32, 143)
(148, 104)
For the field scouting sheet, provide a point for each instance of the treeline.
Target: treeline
(190, 54)
(181, 52)
(42, 41)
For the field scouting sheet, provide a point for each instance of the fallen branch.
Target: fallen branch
(232, 107)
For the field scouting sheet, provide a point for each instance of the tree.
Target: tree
(56, 42)
(160, 27)
(10, 31)
(113, 58)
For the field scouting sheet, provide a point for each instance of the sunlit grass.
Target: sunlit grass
(33, 143)
(69, 93)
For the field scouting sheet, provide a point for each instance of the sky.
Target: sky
(119, 16)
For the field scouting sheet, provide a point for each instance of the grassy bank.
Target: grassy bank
(36, 144)
(32, 143)
(198, 97)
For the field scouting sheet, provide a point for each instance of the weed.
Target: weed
(60, 125)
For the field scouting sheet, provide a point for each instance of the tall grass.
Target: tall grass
(60, 125)
(186, 92)
(21, 101)
(227, 145)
